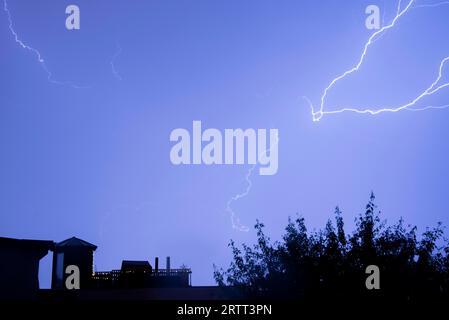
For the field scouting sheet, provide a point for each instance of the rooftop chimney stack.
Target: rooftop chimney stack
(168, 264)
(156, 265)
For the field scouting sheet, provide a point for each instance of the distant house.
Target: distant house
(135, 274)
(140, 274)
(19, 267)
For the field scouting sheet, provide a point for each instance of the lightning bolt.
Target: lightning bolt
(433, 88)
(431, 5)
(36, 52)
(234, 218)
(429, 107)
(398, 10)
(114, 70)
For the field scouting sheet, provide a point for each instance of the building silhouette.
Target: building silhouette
(131, 275)
(19, 267)
(76, 252)
(140, 274)
(19, 275)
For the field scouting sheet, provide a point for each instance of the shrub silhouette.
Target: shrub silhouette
(331, 263)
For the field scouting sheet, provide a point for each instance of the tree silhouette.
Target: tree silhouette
(332, 263)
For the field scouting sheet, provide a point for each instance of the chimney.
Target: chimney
(156, 265)
(168, 264)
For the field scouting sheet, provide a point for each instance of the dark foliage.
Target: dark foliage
(331, 263)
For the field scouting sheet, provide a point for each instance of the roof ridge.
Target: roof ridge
(74, 241)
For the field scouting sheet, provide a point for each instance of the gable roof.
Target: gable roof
(75, 242)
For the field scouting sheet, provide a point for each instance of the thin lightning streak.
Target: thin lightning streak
(399, 7)
(428, 107)
(433, 88)
(432, 5)
(36, 52)
(383, 23)
(115, 56)
(234, 219)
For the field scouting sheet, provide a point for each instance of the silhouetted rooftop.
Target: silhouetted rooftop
(75, 242)
(38, 244)
(130, 264)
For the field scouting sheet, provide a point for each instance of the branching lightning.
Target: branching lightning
(115, 56)
(234, 219)
(36, 52)
(433, 88)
